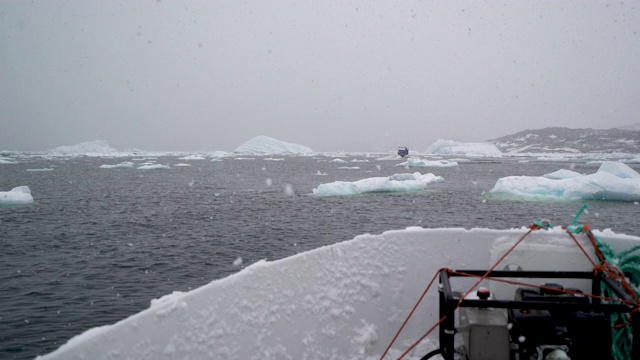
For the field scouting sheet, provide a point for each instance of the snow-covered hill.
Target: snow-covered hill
(565, 140)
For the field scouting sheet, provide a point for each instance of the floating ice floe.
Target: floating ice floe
(154, 167)
(122, 165)
(220, 154)
(20, 195)
(37, 170)
(613, 181)
(450, 147)
(393, 183)
(192, 157)
(421, 163)
(264, 145)
(562, 174)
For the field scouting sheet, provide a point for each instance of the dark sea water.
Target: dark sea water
(99, 244)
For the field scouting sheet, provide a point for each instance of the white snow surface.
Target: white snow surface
(20, 195)
(393, 183)
(422, 163)
(612, 181)
(342, 301)
(562, 174)
(450, 147)
(264, 145)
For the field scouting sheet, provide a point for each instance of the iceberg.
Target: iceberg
(20, 195)
(220, 154)
(264, 145)
(619, 169)
(393, 183)
(450, 147)
(90, 148)
(613, 181)
(421, 163)
(562, 174)
(122, 165)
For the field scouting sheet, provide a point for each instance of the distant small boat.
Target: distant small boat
(403, 151)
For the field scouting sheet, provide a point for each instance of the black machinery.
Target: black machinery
(550, 323)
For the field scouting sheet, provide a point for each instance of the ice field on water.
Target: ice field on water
(98, 243)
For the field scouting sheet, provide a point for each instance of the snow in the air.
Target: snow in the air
(393, 183)
(20, 195)
(264, 145)
(612, 181)
(422, 163)
(122, 165)
(450, 147)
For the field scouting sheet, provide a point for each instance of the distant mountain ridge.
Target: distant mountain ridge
(565, 140)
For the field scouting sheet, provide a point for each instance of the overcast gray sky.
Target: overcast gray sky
(331, 75)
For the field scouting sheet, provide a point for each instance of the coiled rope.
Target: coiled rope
(624, 267)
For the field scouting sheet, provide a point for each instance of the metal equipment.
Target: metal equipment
(546, 323)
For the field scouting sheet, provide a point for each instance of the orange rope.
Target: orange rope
(611, 271)
(598, 253)
(422, 338)
(410, 314)
(486, 275)
(531, 228)
(565, 291)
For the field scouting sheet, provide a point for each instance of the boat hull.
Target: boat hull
(344, 301)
